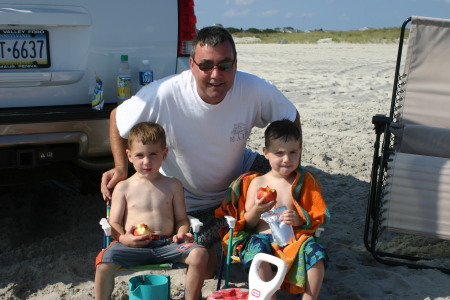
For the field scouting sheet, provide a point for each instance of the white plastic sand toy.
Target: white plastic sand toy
(259, 289)
(262, 290)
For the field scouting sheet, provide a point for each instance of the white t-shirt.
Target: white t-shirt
(206, 142)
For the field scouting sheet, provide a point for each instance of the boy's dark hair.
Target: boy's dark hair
(284, 129)
(212, 36)
(147, 133)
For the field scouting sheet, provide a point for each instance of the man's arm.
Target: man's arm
(179, 208)
(181, 220)
(299, 125)
(297, 121)
(118, 145)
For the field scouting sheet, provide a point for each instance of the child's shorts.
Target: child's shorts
(261, 243)
(159, 251)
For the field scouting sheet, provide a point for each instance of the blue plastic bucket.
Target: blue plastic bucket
(146, 287)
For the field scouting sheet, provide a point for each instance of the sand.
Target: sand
(49, 234)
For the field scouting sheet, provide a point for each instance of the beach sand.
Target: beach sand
(49, 233)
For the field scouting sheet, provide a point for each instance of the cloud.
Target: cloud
(268, 13)
(308, 15)
(290, 15)
(344, 17)
(244, 2)
(236, 13)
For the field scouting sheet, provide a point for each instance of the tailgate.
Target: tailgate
(76, 40)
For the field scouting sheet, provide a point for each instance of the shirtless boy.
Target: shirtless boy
(283, 149)
(148, 197)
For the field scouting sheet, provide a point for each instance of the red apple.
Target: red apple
(141, 229)
(268, 194)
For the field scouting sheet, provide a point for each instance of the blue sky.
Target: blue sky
(316, 14)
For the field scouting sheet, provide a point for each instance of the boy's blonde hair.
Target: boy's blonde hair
(147, 133)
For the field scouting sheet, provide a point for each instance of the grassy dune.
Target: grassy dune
(385, 35)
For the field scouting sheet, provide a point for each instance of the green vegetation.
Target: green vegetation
(268, 36)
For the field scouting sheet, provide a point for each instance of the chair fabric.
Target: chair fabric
(427, 89)
(417, 197)
(424, 104)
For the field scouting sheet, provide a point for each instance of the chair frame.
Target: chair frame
(382, 151)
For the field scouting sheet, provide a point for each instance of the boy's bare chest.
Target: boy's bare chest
(149, 200)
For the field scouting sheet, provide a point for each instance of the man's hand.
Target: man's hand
(183, 237)
(110, 179)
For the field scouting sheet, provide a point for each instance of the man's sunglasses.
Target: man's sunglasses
(208, 67)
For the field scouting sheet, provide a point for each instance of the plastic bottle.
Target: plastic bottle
(145, 73)
(123, 80)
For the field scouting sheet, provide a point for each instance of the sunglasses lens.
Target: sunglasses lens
(205, 66)
(225, 66)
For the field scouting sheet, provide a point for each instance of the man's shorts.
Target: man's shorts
(261, 243)
(209, 232)
(157, 252)
(260, 164)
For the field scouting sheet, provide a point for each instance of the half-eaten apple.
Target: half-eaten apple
(268, 194)
(142, 229)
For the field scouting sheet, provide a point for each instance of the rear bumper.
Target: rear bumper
(38, 136)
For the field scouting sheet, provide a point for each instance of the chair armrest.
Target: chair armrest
(230, 221)
(319, 231)
(380, 122)
(105, 226)
(195, 224)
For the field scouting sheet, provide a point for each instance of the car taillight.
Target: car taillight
(186, 26)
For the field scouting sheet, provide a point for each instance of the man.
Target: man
(208, 113)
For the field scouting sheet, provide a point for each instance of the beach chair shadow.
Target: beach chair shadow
(410, 180)
(195, 225)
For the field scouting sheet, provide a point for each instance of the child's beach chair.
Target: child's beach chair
(107, 239)
(228, 257)
(410, 180)
(233, 209)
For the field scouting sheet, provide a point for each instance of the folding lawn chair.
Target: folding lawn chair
(410, 180)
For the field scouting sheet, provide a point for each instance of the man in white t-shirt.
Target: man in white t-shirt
(208, 113)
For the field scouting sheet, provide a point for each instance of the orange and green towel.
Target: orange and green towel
(308, 203)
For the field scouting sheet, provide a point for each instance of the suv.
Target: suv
(50, 54)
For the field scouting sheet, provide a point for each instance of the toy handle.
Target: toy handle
(262, 290)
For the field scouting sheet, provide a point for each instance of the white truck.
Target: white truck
(50, 53)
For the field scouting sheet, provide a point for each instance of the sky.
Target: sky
(316, 14)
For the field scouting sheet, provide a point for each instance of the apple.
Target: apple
(268, 194)
(141, 229)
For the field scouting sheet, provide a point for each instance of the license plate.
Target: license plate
(24, 49)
